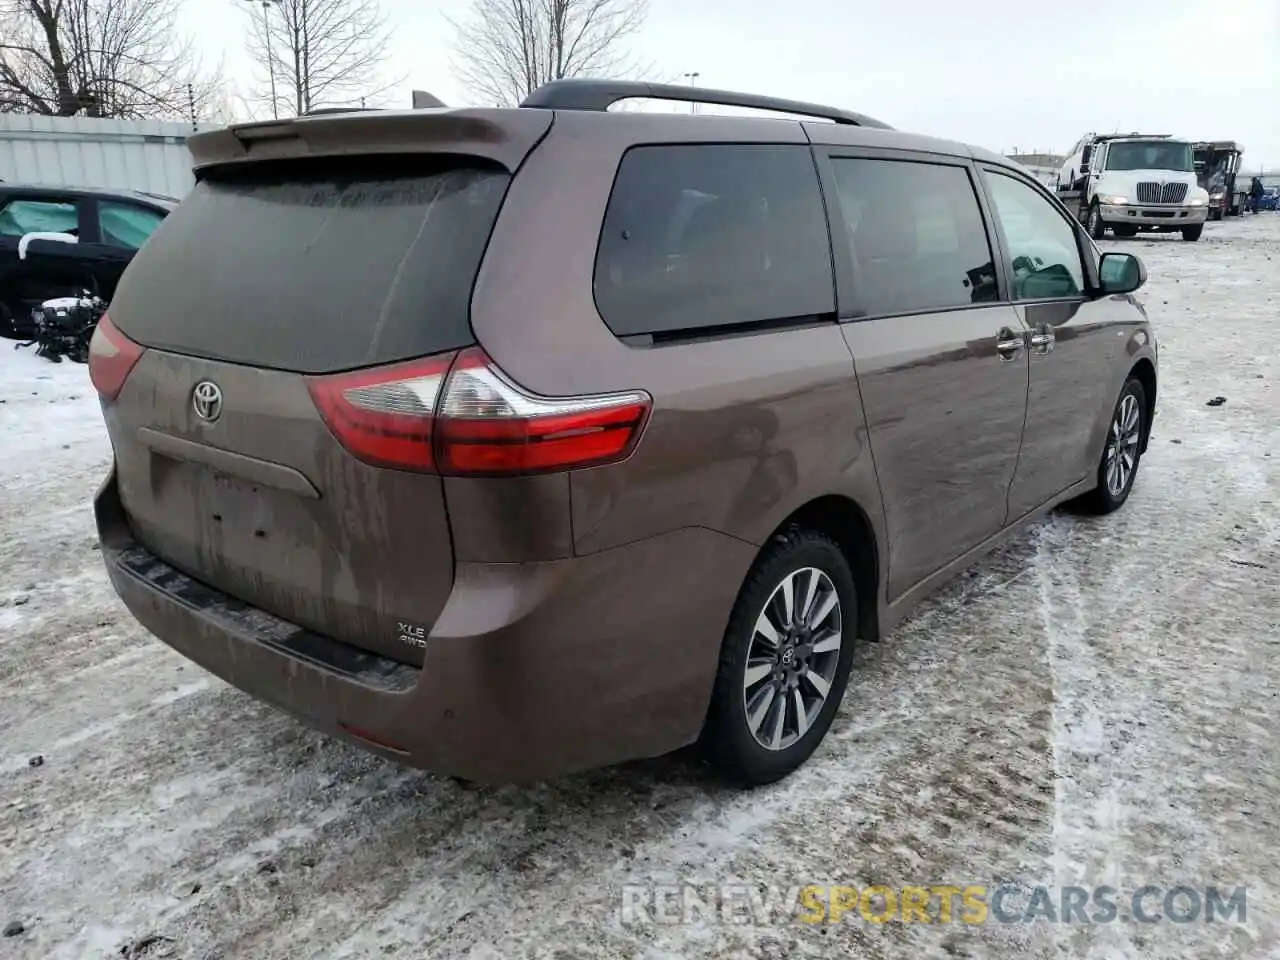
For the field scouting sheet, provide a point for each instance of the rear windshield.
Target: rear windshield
(315, 270)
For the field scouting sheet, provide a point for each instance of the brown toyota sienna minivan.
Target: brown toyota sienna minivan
(508, 443)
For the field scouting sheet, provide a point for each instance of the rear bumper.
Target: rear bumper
(1154, 216)
(532, 670)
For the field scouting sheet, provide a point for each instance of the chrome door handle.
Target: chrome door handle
(1008, 344)
(1043, 341)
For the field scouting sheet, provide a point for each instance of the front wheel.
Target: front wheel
(1192, 234)
(785, 660)
(1097, 226)
(1122, 453)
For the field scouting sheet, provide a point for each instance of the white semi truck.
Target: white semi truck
(1133, 182)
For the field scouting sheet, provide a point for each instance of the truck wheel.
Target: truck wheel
(8, 328)
(1192, 233)
(1097, 226)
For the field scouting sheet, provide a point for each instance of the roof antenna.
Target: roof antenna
(425, 101)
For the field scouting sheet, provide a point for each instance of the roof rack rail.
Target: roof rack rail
(327, 111)
(600, 95)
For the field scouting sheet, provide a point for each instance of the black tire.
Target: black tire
(1192, 234)
(1097, 226)
(727, 740)
(8, 328)
(1104, 498)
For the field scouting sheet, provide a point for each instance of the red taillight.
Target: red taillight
(488, 425)
(384, 416)
(465, 417)
(112, 357)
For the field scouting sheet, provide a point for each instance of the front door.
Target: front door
(49, 269)
(940, 359)
(1070, 344)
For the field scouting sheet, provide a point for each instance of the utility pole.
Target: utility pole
(306, 56)
(271, 60)
(693, 82)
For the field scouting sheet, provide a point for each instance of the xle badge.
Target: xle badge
(413, 635)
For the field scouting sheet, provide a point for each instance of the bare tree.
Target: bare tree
(506, 49)
(319, 53)
(101, 58)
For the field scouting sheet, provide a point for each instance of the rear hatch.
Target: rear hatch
(267, 281)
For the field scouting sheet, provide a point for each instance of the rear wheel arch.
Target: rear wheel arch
(844, 521)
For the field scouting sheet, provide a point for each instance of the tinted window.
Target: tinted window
(916, 236)
(126, 224)
(315, 270)
(1042, 244)
(18, 217)
(706, 236)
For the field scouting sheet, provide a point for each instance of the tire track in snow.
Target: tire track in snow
(1088, 820)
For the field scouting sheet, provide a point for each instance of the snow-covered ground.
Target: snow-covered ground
(1095, 704)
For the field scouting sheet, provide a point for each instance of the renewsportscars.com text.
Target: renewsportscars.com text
(972, 904)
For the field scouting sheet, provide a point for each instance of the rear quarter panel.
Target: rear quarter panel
(745, 429)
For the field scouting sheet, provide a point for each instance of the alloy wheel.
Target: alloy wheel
(1122, 445)
(792, 658)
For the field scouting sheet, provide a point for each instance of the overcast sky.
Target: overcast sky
(999, 73)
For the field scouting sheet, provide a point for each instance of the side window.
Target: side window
(18, 217)
(1042, 244)
(916, 236)
(713, 235)
(125, 224)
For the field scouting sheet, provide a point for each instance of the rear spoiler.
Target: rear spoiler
(503, 136)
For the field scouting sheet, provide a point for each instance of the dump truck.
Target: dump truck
(1218, 165)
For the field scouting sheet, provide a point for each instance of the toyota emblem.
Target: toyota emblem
(206, 400)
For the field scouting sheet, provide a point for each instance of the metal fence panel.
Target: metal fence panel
(147, 155)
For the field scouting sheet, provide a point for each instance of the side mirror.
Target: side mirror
(1120, 273)
(29, 238)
